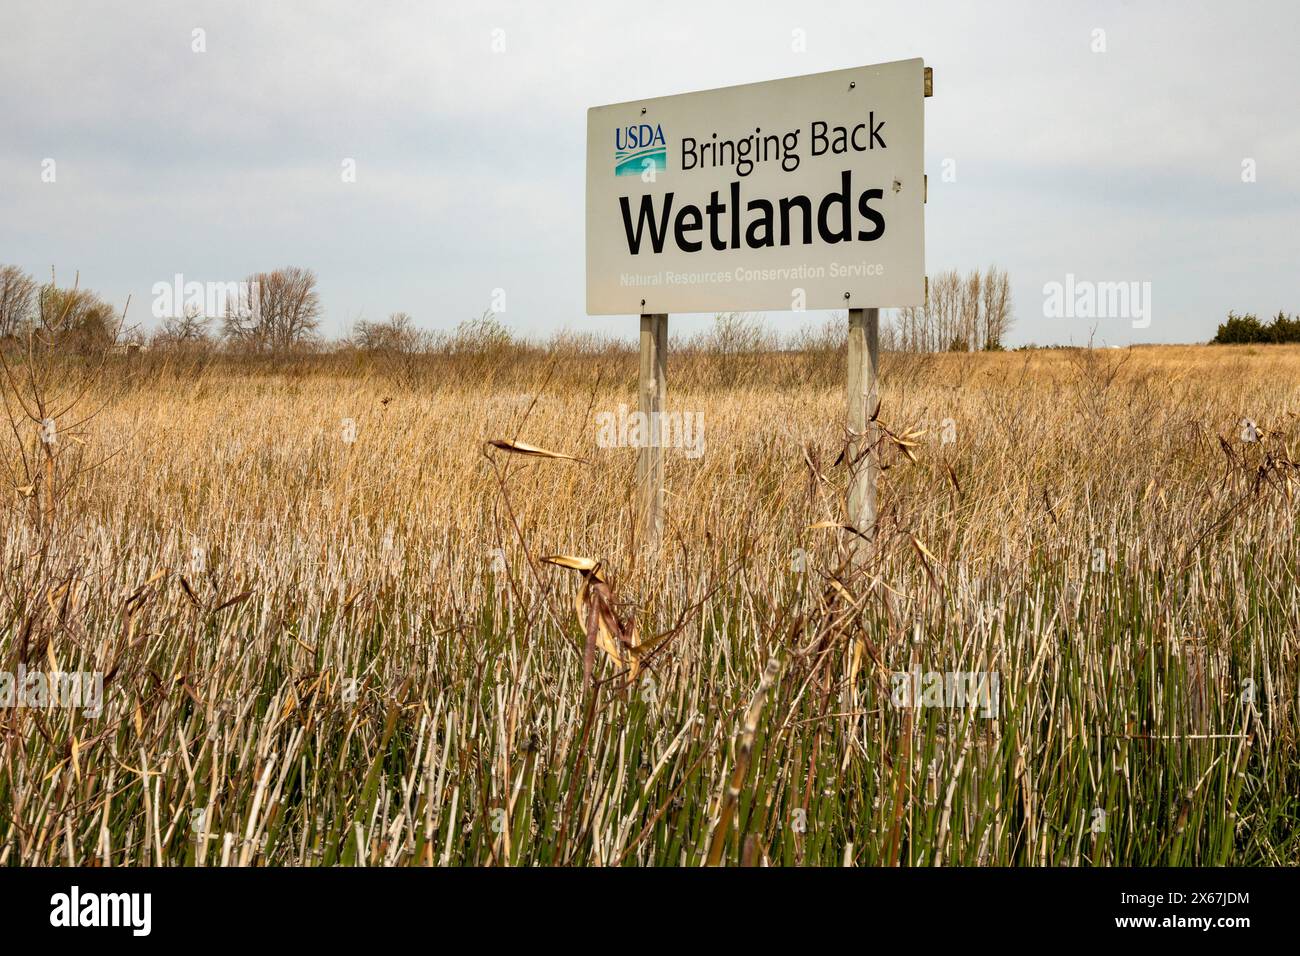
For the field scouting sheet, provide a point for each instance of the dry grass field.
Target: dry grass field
(326, 643)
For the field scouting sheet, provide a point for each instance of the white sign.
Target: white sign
(804, 193)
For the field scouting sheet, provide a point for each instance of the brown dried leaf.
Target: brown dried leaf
(532, 451)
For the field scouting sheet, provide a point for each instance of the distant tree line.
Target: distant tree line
(1242, 329)
(280, 311)
(963, 314)
(969, 313)
(71, 319)
(271, 311)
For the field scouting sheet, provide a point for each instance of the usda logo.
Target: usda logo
(639, 148)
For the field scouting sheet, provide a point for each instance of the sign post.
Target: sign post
(650, 456)
(794, 194)
(864, 396)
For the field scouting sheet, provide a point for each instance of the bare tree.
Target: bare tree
(44, 389)
(396, 334)
(911, 323)
(997, 307)
(17, 294)
(890, 337)
(76, 320)
(190, 330)
(969, 314)
(274, 310)
(480, 336)
(734, 333)
(830, 336)
(944, 309)
(971, 331)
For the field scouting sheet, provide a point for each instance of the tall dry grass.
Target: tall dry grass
(319, 651)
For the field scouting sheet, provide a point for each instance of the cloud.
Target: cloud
(470, 160)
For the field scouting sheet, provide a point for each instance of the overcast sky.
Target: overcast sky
(1122, 165)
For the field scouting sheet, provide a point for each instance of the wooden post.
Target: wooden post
(650, 457)
(864, 459)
